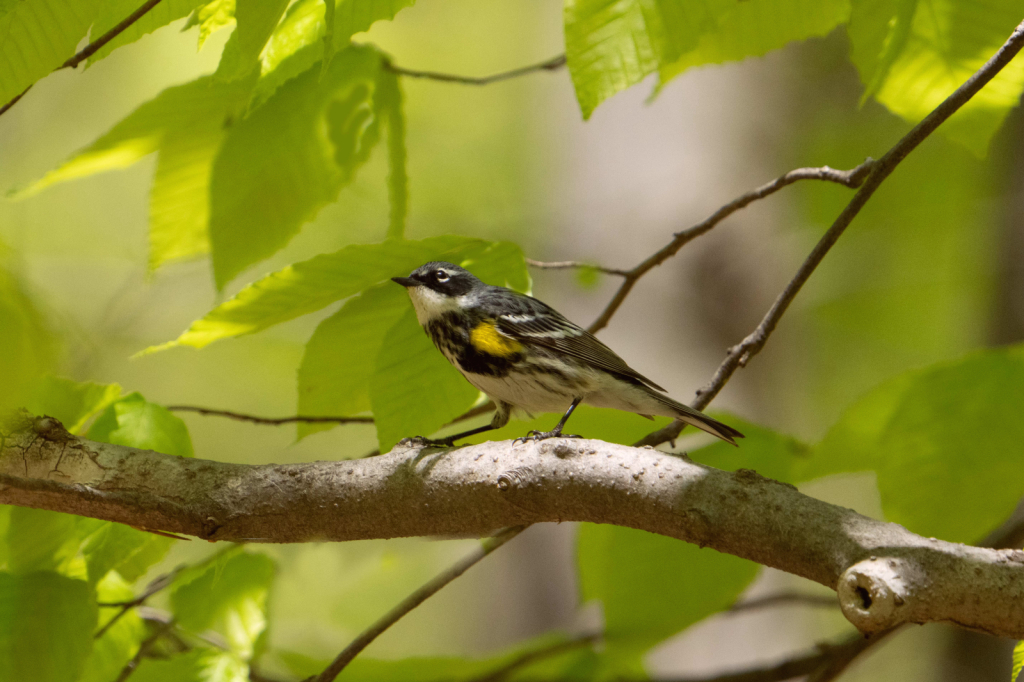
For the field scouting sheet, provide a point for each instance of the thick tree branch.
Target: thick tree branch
(740, 354)
(885, 575)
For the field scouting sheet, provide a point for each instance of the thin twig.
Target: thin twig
(155, 586)
(539, 654)
(822, 658)
(798, 598)
(273, 421)
(553, 64)
(851, 178)
(572, 265)
(93, 47)
(412, 601)
(144, 648)
(97, 45)
(740, 354)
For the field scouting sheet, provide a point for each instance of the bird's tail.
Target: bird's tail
(699, 419)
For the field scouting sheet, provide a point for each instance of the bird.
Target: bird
(527, 357)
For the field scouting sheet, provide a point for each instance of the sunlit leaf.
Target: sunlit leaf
(613, 44)
(113, 12)
(308, 286)
(303, 26)
(944, 441)
(651, 586)
(228, 593)
(119, 643)
(71, 402)
(28, 349)
(290, 157)
(1018, 661)
(198, 665)
(332, 383)
(46, 626)
(137, 423)
(212, 17)
(41, 540)
(120, 548)
(256, 20)
(755, 27)
(414, 390)
(912, 55)
(36, 37)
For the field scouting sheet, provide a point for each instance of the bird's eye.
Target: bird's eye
(441, 276)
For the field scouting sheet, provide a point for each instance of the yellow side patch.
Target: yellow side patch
(487, 339)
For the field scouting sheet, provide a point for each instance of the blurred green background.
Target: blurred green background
(930, 270)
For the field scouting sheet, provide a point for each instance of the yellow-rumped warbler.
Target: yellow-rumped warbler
(525, 355)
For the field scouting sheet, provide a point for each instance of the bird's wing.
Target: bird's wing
(539, 323)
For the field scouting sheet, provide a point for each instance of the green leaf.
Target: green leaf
(652, 587)
(185, 124)
(1018, 661)
(334, 377)
(212, 17)
(137, 423)
(769, 453)
(753, 28)
(414, 390)
(228, 593)
(937, 438)
(128, 551)
(46, 626)
(256, 20)
(71, 402)
(198, 665)
(40, 540)
(291, 157)
(613, 44)
(373, 351)
(390, 96)
(36, 37)
(113, 12)
(303, 26)
(308, 286)
(28, 349)
(911, 56)
(119, 643)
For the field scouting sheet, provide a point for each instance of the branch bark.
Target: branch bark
(885, 574)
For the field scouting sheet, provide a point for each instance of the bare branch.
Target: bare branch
(885, 574)
(539, 654)
(93, 47)
(159, 631)
(273, 421)
(553, 64)
(412, 601)
(574, 265)
(740, 354)
(851, 178)
(158, 583)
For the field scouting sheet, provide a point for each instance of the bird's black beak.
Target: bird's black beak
(405, 281)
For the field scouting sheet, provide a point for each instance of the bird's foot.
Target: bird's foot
(544, 435)
(420, 441)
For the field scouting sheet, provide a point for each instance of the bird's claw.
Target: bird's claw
(543, 435)
(426, 442)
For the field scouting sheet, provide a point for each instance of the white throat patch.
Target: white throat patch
(430, 304)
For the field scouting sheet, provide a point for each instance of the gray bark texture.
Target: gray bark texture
(884, 574)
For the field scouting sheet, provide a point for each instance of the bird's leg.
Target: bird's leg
(555, 432)
(444, 442)
(501, 417)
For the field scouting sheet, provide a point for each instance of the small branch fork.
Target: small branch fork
(553, 64)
